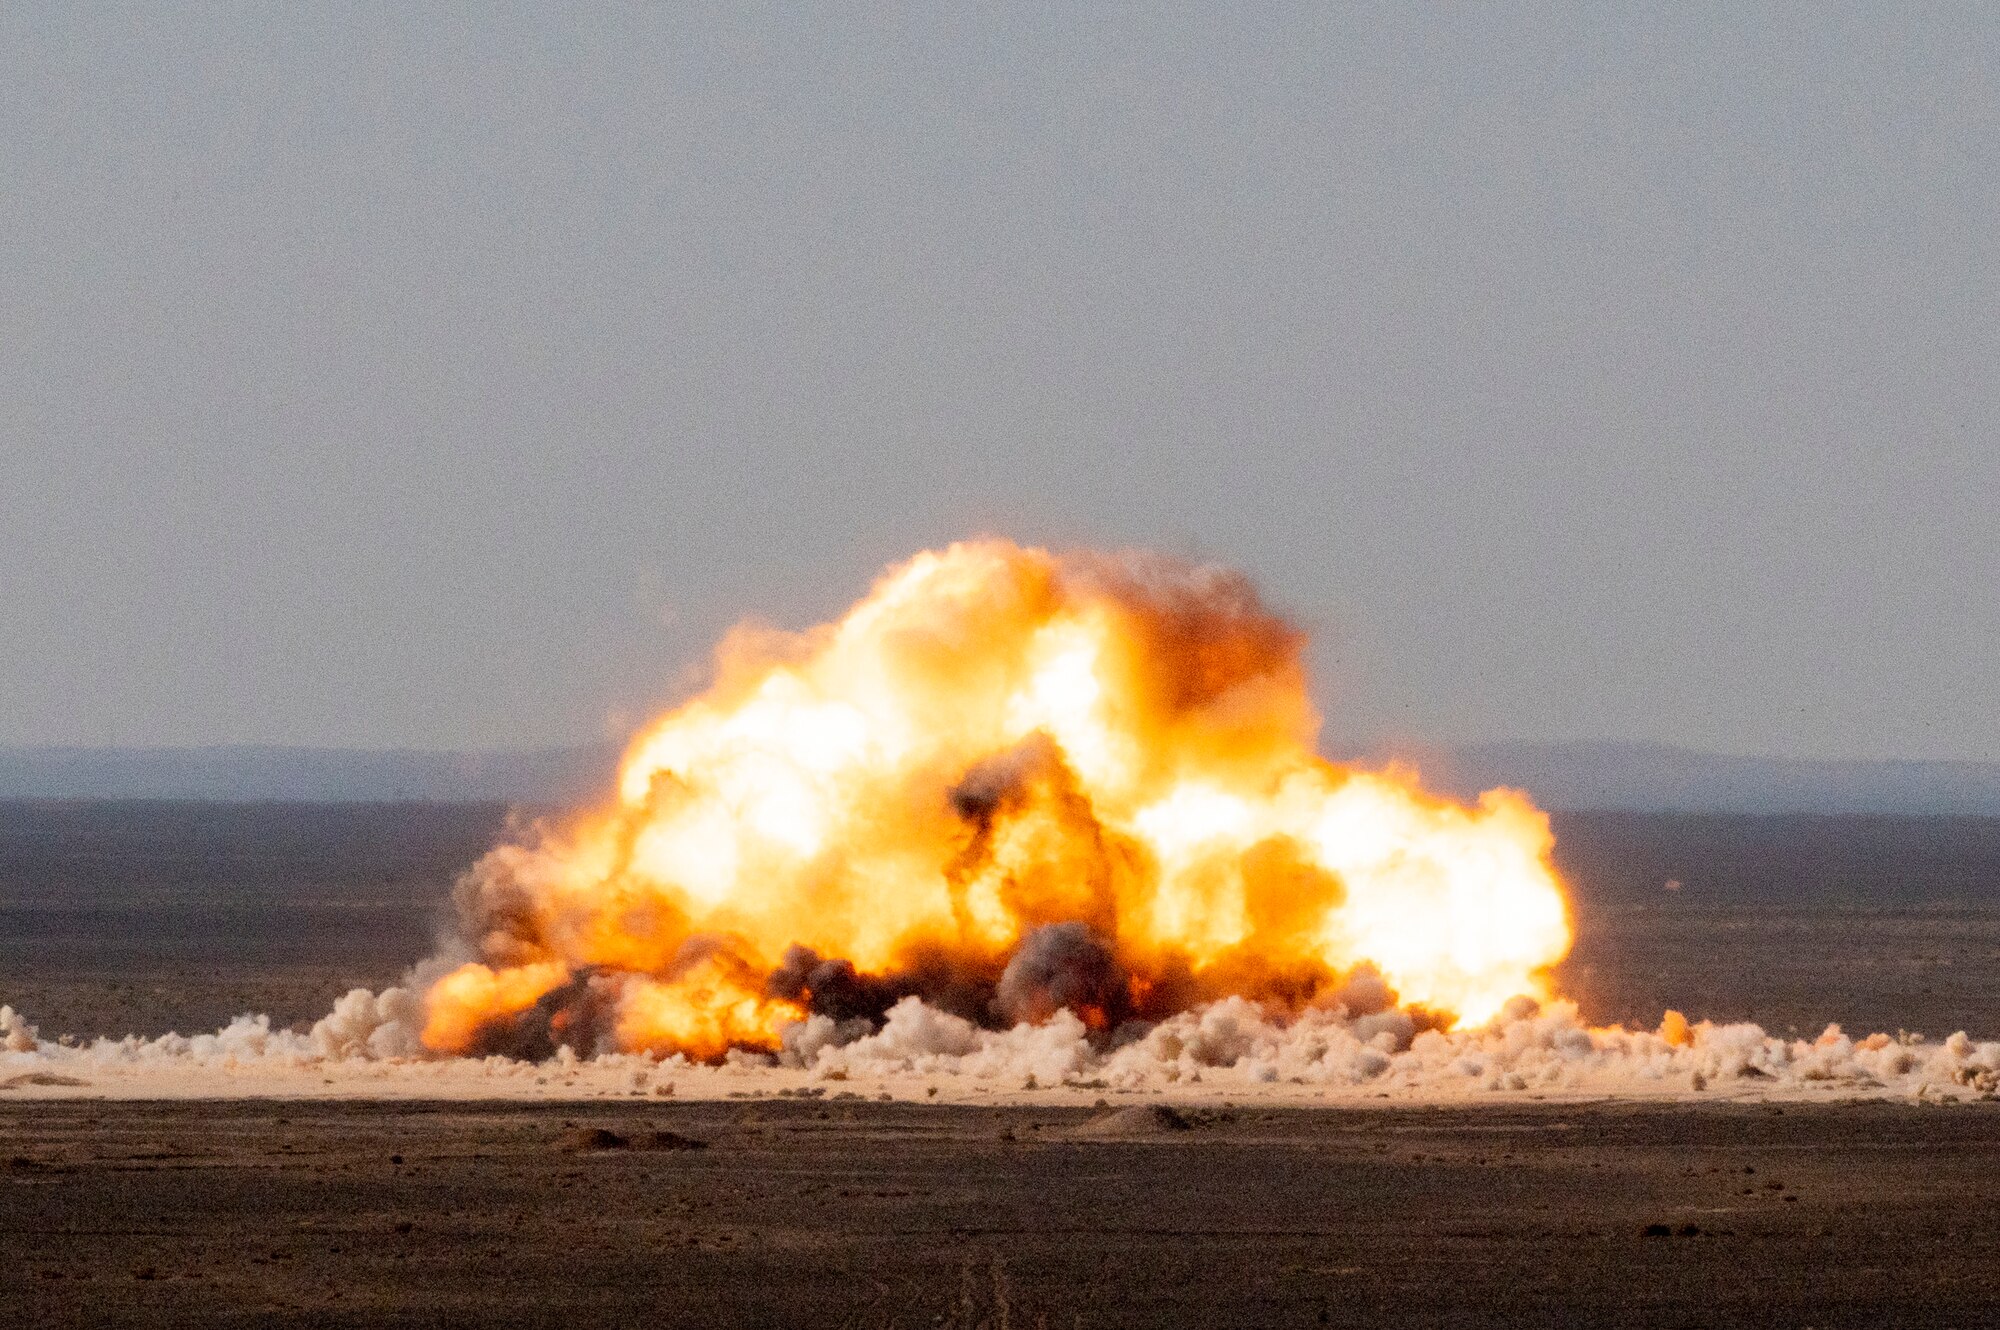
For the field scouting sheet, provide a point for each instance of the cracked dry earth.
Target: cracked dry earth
(866, 1214)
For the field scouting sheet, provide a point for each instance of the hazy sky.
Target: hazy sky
(407, 376)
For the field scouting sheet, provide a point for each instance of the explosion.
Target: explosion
(1010, 783)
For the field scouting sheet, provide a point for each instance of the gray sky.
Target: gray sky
(407, 376)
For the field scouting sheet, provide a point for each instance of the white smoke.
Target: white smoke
(16, 1035)
(372, 1025)
(369, 1041)
(1234, 1040)
(921, 1039)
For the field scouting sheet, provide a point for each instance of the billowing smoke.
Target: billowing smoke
(1062, 967)
(831, 988)
(16, 1035)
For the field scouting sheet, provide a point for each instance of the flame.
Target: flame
(996, 740)
(703, 1012)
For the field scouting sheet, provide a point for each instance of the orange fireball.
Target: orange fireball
(1008, 782)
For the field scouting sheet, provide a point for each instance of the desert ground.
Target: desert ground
(854, 1213)
(830, 1207)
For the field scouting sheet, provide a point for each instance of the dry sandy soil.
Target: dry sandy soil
(853, 1213)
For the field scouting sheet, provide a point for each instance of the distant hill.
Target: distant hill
(1655, 778)
(242, 772)
(1566, 777)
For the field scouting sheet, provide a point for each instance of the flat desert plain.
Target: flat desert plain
(855, 1213)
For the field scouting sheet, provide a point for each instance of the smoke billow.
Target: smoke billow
(16, 1035)
(1062, 967)
(831, 988)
